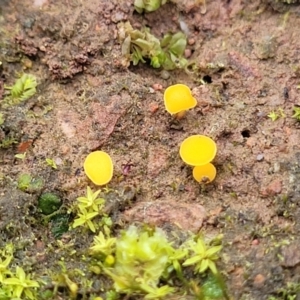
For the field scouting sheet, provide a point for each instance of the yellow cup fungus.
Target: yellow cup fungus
(198, 150)
(98, 167)
(205, 173)
(178, 98)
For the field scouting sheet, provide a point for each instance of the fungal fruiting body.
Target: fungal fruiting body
(98, 167)
(198, 150)
(205, 173)
(178, 98)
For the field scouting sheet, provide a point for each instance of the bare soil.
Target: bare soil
(246, 65)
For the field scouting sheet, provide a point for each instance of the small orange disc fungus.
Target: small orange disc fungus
(98, 167)
(198, 150)
(178, 98)
(205, 173)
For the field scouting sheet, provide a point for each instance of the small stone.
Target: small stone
(151, 90)
(157, 87)
(118, 17)
(187, 53)
(165, 74)
(274, 188)
(260, 157)
(191, 41)
(291, 255)
(65, 149)
(251, 142)
(42, 48)
(276, 167)
(153, 107)
(58, 161)
(259, 280)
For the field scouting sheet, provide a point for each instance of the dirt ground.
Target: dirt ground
(246, 66)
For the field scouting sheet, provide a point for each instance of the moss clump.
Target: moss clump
(143, 262)
(141, 258)
(23, 89)
(27, 183)
(48, 203)
(296, 114)
(148, 5)
(59, 224)
(14, 282)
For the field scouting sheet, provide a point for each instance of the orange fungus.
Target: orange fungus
(205, 173)
(198, 150)
(178, 98)
(98, 167)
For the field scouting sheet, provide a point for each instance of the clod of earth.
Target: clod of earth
(98, 167)
(164, 213)
(178, 98)
(198, 150)
(205, 174)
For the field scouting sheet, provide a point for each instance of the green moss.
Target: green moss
(296, 114)
(136, 262)
(214, 288)
(27, 183)
(141, 258)
(89, 208)
(23, 89)
(148, 5)
(59, 224)
(48, 203)
(144, 262)
(14, 282)
(7, 142)
(2, 119)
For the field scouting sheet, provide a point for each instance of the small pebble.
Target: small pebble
(151, 90)
(58, 161)
(157, 87)
(259, 280)
(187, 53)
(153, 107)
(260, 157)
(276, 167)
(191, 41)
(165, 74)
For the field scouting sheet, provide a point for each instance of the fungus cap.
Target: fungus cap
(178, 98)
(198, 150)
(98, 167)
(205, 173)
